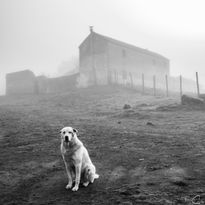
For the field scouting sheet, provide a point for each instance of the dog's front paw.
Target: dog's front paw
(75, 188)
(68, 186)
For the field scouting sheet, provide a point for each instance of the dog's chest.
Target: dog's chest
(71, 157)
(71, 154)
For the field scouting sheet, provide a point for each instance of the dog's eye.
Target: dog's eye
(64, 132)
(70, 132)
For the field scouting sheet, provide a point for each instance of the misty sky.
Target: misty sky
(41, 34)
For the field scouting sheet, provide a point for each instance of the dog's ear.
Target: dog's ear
(75, 131)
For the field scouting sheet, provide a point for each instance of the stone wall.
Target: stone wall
(22, 82)
(25, 82)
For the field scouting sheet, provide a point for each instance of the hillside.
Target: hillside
(152, 153)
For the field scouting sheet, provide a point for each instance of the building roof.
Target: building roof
(21, 72)
(126, 45)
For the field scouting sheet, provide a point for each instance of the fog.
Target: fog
(42, 35)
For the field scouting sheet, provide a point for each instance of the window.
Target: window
(124, 53)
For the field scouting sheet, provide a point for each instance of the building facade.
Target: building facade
(102, 58)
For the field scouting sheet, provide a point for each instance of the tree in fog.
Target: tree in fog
(68, 67)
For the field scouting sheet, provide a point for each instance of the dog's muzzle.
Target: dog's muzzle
(66, 139)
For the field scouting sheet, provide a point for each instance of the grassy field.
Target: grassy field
(152, 153)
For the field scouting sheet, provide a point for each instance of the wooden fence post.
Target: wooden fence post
(131, 80)
(115, 76)
(154, 85)
(197, 84)
(108, 80)
(111, 79)
(167, 86)
(180, 79)
(143, 83)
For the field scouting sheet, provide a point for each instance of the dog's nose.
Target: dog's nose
(66, 138)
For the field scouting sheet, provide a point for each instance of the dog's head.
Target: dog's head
(67, 134)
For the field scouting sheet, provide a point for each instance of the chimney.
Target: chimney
(91, 29)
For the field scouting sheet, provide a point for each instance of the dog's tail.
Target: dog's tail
(96, 176)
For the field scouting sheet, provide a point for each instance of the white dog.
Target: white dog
(76, 159)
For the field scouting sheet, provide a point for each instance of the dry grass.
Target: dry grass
(153, 153)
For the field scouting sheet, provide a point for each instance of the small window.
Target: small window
(124, 53)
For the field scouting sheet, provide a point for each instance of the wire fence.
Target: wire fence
(156, 84)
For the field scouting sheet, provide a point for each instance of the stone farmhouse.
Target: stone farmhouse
(101, 58)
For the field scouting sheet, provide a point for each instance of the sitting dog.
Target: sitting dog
(76, 159)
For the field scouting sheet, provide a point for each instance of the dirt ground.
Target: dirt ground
(152, 153)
